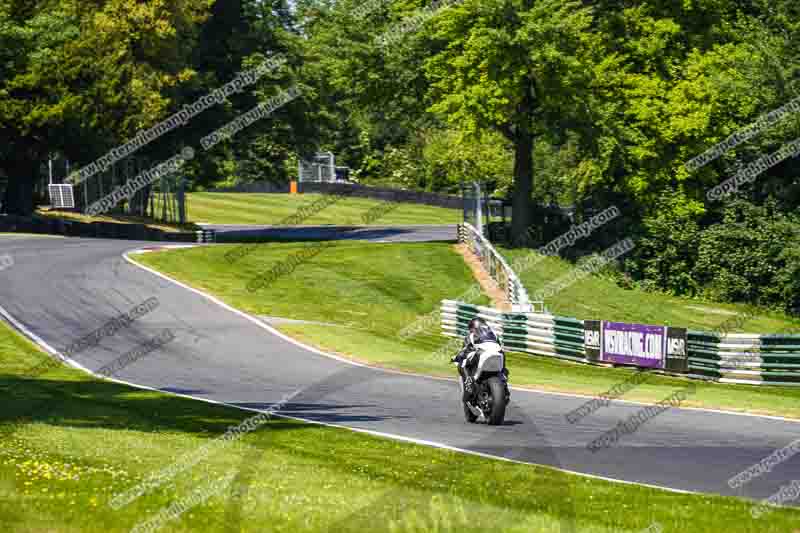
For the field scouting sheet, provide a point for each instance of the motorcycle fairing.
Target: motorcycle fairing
(491, 358)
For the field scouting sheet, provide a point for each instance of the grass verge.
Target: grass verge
(70, 443)
(595, 297)
(368, 293)
(271, 209)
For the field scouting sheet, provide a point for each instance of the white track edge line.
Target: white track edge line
(390, 436)
(390, 371)
(39, 341)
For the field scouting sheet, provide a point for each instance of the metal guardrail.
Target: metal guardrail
(534, 333)
(498, 269)
(732, 358)
(206, 236)
(746, 358)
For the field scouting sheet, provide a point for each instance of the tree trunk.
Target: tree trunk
(18, 198)
(523, 186)
(523, 139)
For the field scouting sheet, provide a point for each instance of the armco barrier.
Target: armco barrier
(534, 333)
(497, 267)
(746, 358)
(206, 236)
(732, 358)
(105, 230)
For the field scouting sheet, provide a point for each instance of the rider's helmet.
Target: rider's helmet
(481, 330)
(475, 323)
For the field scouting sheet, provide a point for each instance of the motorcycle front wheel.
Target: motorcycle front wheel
(498, 401)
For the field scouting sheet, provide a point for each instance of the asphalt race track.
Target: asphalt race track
(414, 233)
(62, 289)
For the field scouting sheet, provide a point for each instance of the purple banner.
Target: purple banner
(634, 344)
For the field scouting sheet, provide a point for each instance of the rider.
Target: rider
(479, 332)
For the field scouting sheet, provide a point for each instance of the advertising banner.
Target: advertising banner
(634, 344)
(591, 339)
(677, 352)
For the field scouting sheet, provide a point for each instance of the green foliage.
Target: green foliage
(239, 36)
(752, 255)
(550, 99)
(496, 49)
(453, 157)
(77, 77)
(666, 251)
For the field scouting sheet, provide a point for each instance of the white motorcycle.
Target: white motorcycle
(490, 379)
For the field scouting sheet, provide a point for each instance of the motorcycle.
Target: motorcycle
(490, 381)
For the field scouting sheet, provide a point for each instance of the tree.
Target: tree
(514, 66)
(78, 77)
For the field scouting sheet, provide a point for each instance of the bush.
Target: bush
(666, 252)
(752, 255)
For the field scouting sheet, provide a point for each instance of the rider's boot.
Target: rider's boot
(469, 389)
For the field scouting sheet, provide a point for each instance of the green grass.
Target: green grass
(70, 443)
(599, 298)
(369, 292)
(271, 209)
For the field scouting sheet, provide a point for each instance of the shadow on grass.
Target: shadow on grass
(104, 404)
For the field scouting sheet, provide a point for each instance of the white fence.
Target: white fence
(498, 269)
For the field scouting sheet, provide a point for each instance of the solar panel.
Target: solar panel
(62, 197)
